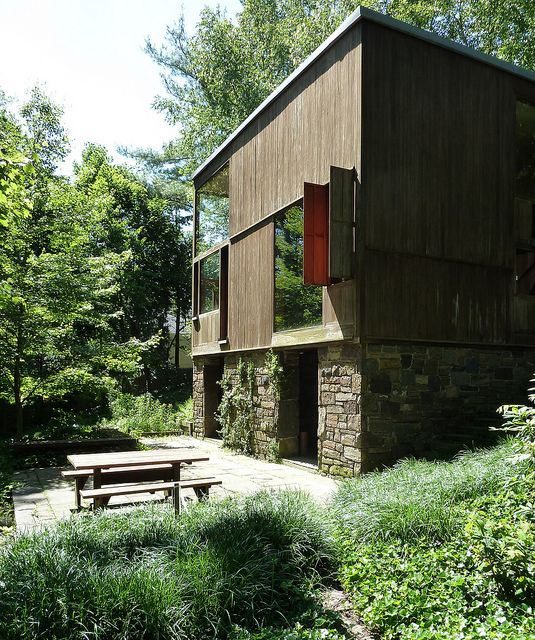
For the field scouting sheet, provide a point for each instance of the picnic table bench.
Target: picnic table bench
(141, 468)
(201, 486)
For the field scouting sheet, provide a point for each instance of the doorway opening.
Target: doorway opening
(212, 374)
(308, 405)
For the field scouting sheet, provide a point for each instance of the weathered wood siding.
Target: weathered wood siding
(437, 196)
(205, 330)
(418, 298)
(251, 289)
(314, 124)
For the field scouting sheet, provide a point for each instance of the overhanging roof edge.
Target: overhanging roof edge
(350, 21)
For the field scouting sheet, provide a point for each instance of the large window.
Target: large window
(212, 211)
(525, 199)
(296, 305)
(209, 283)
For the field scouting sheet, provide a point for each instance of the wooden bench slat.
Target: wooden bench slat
(130, 489)
(199, 482)
(126, 489)
(80, 473)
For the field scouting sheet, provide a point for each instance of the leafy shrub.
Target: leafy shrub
(143, 573)
(144, 413)
(442, 550)
(520, 420)
(502, 538)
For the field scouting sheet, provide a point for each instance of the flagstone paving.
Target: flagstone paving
(42, 495)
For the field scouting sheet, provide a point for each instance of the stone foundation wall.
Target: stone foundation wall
(380, 402)
(339, 419)
(421, 399)
(265, 401)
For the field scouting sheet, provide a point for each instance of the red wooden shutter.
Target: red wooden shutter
(316, 234)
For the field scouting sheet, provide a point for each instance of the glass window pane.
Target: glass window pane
(525, 151)
(213, 211)
(210, 283)
(296, 305)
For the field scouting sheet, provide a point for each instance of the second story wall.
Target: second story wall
(313, 124)
(438, 200)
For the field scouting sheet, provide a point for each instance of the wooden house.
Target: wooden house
(372, 223)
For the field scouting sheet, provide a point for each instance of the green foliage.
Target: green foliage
(420, 499)
(236, 409)
(502, 537)
(441, 550)
(321, 629)
(520, 420)
(89, 269)
(274, 371)
(143, 573)
(6, 486)
(145, 414)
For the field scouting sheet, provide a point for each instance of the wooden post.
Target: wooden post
(176, 498)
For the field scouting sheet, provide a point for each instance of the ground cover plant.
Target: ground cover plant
(442, 550)
(223, 569)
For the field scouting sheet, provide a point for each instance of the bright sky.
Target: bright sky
(88, 56)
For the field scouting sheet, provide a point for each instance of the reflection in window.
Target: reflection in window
(210, 283)
(296, 305)
(525, 199)
(212, 211)
(525, 151)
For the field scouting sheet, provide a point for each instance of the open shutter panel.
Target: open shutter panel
(342, 207)
(316, 234)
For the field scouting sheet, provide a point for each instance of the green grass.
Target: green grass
(442, 550)
(223, 566)
(420, 499)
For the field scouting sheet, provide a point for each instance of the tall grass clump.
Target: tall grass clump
(420, 499)
(239, 563)
(145, 414)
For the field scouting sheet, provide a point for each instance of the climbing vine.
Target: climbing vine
(236, 409)
(236, 412)
(274, 371)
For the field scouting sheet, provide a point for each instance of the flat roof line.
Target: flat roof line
(350, 21)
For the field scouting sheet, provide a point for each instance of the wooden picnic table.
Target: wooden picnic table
(94, 463)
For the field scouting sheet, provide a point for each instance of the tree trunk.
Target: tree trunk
(17, 383)
(177, 341)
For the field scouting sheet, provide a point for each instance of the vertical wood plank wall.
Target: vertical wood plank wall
(314, 124)
(437, 185)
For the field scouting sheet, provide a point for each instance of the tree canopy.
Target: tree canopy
(90, 267)
(217, 76)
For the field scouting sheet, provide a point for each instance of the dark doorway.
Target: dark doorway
(308, 404)
(212, 397)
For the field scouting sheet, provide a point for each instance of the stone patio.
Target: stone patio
(43, 496)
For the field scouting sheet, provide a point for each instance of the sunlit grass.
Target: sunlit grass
(417, 498)
(145, 574)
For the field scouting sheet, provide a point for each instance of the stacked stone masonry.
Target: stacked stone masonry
(380, 402)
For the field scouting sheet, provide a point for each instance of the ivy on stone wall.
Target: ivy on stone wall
(236, 410)
(274, 372)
